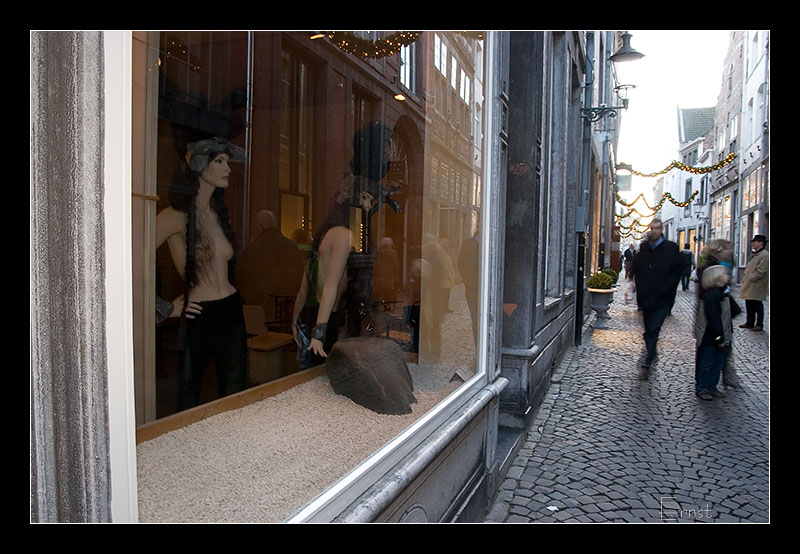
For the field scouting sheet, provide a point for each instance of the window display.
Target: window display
(319, 206)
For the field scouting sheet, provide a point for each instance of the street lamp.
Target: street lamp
(625, 54)
(700, 215)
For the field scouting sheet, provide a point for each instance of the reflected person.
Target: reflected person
(270, 267)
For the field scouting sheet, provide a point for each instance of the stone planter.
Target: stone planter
(599, 301)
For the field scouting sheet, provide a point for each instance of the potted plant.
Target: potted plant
(611, 273)
(614, 279)
(600, 290)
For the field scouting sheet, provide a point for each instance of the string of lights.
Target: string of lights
(375, 49)
(631, 211)
(691, 169)
(666, 196)
(636, 226)
(635, 235)
(636, 229)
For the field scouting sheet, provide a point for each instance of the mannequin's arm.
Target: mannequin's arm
(337, 266)
(169, 224)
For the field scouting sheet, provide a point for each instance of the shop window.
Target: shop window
(306, 219)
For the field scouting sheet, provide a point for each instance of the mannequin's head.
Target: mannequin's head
(200, 153)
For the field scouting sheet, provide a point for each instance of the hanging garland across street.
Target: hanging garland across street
(636, 226)
(696, 170)
(664, 198)
(632, 230)
(632, 234)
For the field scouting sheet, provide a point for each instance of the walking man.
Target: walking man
(627, 256)
(657, 269)
(688, 266)
(755, 284)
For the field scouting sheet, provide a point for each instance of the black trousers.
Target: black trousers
(653, 321)
(218, 335)
(755, 312)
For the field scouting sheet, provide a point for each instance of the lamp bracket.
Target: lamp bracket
(597, 113)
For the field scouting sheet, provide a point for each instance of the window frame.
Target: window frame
(332, 501)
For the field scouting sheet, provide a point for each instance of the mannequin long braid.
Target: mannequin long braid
(187, 203)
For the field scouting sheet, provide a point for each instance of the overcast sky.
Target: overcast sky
(680, 69)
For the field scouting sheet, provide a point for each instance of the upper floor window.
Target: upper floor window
(408, 67)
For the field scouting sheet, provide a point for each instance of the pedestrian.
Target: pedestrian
(688, 266)
(720, 252)
(755, 284)
(657, 270)
(713, 330)
(627, 256)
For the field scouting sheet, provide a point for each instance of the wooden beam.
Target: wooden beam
(156, 428)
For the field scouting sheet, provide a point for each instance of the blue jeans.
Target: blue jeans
(710, 360)
(686, 278)
(653, 320)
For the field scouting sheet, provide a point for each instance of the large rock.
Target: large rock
(372, 372)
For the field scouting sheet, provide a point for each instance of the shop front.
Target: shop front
(300, 266)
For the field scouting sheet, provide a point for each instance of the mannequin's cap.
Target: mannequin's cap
(201, 152)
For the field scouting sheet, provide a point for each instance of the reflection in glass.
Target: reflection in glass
(355, 214)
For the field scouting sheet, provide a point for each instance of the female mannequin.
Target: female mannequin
(202, 245)
(325, 280)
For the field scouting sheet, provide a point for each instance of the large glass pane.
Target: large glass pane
(319, 217)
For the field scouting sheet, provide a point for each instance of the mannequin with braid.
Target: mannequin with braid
(202, 245)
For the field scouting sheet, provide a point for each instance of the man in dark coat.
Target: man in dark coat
(627, 258)
(657, 269)
(270, 267)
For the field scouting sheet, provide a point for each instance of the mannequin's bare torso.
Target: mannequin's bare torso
(213, 252)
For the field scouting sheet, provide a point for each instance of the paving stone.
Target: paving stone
(606, 446)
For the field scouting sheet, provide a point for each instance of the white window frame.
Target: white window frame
(119, 64)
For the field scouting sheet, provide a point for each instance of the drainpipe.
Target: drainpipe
(583, 193)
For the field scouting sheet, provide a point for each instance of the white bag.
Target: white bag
(630, 291)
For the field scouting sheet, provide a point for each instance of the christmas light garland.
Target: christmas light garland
(631, 230)
(691, 169)
(634, 229)
(375, 49)
(664, 198)
(631, 211)
(633, 234)
(635, 226)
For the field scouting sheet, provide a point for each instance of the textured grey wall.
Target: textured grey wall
(70, 477)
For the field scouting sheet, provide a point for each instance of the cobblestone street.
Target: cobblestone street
(608, 447)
